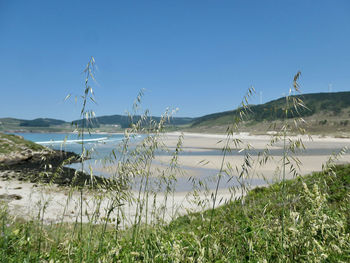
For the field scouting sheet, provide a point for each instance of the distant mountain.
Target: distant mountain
(125, 121)
(320, 105)
(54, 125)
(41, 122)
(10, 121)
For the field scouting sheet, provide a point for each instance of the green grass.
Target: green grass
(317, 227)
(10, 143)
(252, 232)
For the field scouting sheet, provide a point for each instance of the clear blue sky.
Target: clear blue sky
(200, 56)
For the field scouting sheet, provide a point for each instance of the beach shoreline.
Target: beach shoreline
(24, 197)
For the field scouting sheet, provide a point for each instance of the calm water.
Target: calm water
(103, 143)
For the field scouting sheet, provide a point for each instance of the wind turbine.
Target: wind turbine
(330, 87)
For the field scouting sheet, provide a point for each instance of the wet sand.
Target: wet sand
(205, 152)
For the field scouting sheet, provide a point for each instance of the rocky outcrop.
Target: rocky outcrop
(45, 166)
(16, 157)
(26, 161)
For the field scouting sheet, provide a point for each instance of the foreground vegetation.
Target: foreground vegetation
(317, 229)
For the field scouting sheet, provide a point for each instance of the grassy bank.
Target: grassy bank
(10, 143)
(316, 223)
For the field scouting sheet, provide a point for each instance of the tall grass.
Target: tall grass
(229, 143)
(132, 216)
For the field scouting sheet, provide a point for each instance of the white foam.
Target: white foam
(103, 139)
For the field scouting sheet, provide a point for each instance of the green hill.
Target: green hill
(41, 122)
(9, 122)
(36, 125)
(103, 123)
(326, 112)
(124, 121)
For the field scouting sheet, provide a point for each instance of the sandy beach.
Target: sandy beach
(25, 199)
(318, 151)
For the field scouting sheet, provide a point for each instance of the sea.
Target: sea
(102, 144)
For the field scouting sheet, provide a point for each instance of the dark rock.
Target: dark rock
(10, 198)
(48, 167)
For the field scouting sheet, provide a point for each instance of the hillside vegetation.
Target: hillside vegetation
(325, 112)
(110, 123)
(36, 125)
(10, 143)
(41, 122)
(124, 121)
